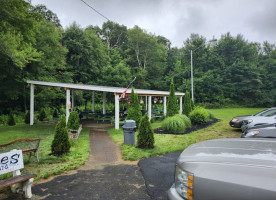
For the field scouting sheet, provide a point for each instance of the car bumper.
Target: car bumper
(235, 124)
(173, 195)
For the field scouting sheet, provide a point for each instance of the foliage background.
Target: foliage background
(34, 46)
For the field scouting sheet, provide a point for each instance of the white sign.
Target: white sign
(11, 161)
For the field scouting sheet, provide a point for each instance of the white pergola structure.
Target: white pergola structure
(70, 87)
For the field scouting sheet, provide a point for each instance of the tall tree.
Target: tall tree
(172, 107)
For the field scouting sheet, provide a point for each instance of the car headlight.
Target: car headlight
(235, 120)
(252, 133)
(184, 183)
(249, 121)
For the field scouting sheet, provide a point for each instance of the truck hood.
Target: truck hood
(237, 151)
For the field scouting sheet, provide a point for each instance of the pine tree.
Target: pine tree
(73, 121)
(134, 110)
(172, 107)
(61, 144)
(145, 138)
(187, 107)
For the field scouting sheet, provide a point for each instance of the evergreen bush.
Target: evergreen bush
(134, 110)
(187, 107)
(174, 124)
(145, 137)
(172, 107)
(73, 121)
(27, 118)
(11, 120)
(60, 144)
(199, 116)
(42, 115)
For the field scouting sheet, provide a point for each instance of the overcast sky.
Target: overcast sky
(176, 19)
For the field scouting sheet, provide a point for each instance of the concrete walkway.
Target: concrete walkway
(104, 176)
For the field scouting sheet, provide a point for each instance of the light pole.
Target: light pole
(192, 76)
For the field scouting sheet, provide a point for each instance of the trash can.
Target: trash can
(129, 132)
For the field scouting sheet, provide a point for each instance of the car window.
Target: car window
(260, 113)
(269, 113)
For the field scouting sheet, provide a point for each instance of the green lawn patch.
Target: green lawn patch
(166, 143)
(48, 165)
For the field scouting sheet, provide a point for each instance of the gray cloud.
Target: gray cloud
(176, 19)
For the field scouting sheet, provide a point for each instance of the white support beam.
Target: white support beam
(93, 101)
(117, 110)
(146, 103)
(73, 100)
(104, 103)
(149, 109)
(32, 104)
(180, 103)
(68, 106)
(165, 106)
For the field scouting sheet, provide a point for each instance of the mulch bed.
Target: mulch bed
(189, 130)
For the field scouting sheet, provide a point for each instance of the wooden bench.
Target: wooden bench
(27, 145)
(74, 134)
(12, 162)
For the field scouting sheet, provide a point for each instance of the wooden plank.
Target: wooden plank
(16, 179)
(24, 139)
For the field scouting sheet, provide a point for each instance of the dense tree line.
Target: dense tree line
(34, 46)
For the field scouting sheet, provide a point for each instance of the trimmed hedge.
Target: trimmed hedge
(199, 116)
(145, 137)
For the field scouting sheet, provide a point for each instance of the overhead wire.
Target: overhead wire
(95, 10)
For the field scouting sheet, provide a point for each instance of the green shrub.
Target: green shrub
(145, 137)
(134, 110)
(172, 107)
(11, 121)
(199, 116)
(175, 124)
(27, 118)
(186, 120)
(73, 121)
(187, 107)
(42, 115)
(4, 120)
(60, 144)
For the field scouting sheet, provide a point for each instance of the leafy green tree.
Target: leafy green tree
(172, 107)
(187, 106)
(134, 110)
(60, 144)
(145, 138)
(42, 115)
(73, 121)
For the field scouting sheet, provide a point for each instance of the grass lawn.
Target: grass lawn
(165, 143)
(48, 165)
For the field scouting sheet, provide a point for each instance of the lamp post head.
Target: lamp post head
(213, 40)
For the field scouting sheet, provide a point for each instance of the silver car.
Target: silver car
(266, 118)
(222, 169)
(237, 122)
(263, 131)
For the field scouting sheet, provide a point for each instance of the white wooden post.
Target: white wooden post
(93, 101)
(104, 103)
(180, 103)
(32, 105)
(67, 104)
(146, 103)
(149, 109)
(73, 100)
(117, 110)
(165, 106)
